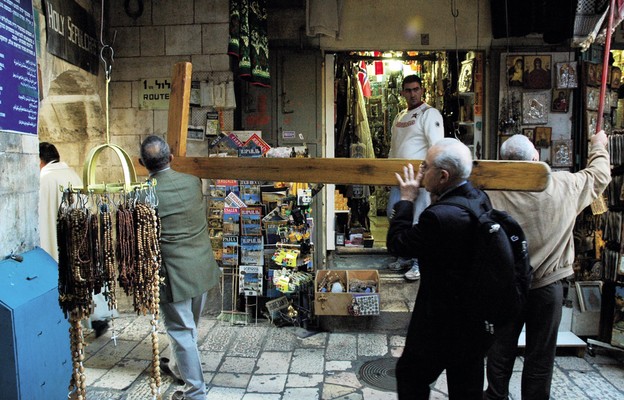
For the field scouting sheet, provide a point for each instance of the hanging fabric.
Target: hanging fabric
(249, 41)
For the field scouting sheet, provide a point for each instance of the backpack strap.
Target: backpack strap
(472, 206)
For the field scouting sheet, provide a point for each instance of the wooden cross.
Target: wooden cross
(486, 174)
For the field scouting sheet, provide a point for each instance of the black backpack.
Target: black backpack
(501, 272)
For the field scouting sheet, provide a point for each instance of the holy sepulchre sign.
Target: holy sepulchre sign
(71, 34)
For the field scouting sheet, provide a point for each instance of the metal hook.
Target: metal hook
(454, 10)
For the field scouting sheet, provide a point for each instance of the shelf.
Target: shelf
(341, 211)
(466, 123)
(466, 93)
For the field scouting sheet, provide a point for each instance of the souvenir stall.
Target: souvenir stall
(368, 97)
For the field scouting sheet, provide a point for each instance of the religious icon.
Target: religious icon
(537, 72)
(591, 119)
(561, 153)
(616, 78)
(530, 133)
(515, 70)
(542, 136)
(535, 106)
(561, 100)
(593, 94)
(465, 77)
(566, 75)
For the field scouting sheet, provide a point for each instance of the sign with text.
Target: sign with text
(19, 96)
(71, 34)
(154, 94)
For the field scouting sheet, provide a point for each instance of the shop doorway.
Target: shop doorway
(367, 98)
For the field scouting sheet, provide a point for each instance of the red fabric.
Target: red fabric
(363, 78)
(379, 68)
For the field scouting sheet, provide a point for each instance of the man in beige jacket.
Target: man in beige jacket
(547, 219)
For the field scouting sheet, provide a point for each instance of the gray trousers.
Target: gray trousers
(181, 320)
(542, 316)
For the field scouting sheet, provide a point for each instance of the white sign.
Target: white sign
(154, 94)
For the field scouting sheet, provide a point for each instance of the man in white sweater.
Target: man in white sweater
(547, 219)
(414, 131)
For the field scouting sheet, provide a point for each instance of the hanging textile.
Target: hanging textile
(323, 17)
(249, 41)
(362, 129)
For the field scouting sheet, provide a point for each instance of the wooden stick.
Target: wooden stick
(492, 175)
(179, 99)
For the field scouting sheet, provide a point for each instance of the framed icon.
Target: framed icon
(616, 78)
(530, 133)
(515, 70)
(566, 75)
(592, 98)
(537, 74)
(560, 100)
(543, 135)
(589, 295)
(561, 153)
(535, 107)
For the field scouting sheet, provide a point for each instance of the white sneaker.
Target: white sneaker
(414, 273)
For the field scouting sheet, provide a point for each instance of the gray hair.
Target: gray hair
(517, 147)
(155, 153)
(454, 157)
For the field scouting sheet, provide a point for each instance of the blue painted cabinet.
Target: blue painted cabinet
(34, 334)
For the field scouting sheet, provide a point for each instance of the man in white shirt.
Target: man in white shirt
(414, 131)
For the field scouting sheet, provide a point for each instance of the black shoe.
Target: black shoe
(164, 367)
(100, 327)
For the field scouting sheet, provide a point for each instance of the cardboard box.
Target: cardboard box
(333, 303)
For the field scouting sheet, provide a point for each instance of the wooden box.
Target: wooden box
(332, 303)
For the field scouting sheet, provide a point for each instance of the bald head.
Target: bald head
(155, 153)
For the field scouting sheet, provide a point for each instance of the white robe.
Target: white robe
(53, 175)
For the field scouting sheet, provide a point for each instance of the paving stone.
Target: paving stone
(345, 379)
(265, 396)
(141, 390)
(593, 386)
(573, 363)
(396, 352)
(338, 365)
(304, 380)
(563, 388)
(144, 350)
(315, 341)
(208, 376)
(110, 354)
(205, 326)
(330, 391)
(137, 330)
(441, 384)
(225, 393)
(397, 341)
(614, 374)
(309, 361)
(341, 346)
(93, 374)
(372, 344)
(211, 360)
(123, 375)
(267, 383)
(301, 393)
(218, 339)
(375, 394)
(273, 363)
(248, 341)
(239, 365)
(231, 380)
(99, 394)
(280, 340)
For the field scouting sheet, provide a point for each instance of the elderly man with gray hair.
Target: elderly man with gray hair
(548, 219)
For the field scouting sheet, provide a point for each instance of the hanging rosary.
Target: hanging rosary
(87, 254)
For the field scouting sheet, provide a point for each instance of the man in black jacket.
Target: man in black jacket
(439, 337)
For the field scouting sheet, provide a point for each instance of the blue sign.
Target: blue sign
(19, 95)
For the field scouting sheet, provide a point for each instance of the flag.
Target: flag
(363, 78)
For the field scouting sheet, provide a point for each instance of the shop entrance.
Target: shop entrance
(367, 96)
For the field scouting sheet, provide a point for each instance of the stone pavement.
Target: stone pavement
(263, 362)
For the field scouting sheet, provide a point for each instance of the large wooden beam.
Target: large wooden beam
(492, 175)
(179, 99)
